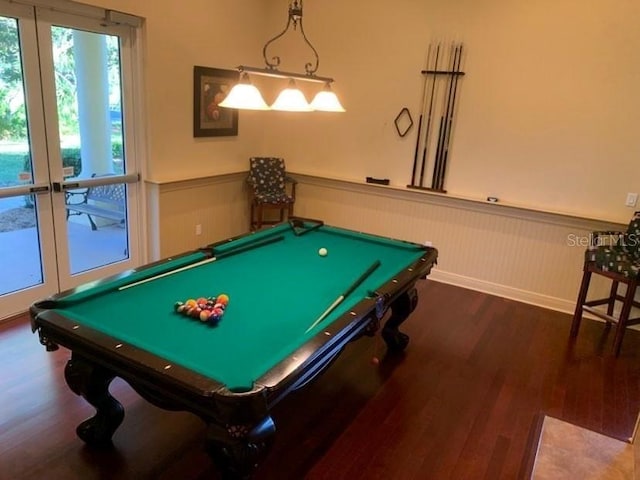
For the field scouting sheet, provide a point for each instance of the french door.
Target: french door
(69, 180)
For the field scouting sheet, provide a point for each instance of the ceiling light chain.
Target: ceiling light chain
(295, 17)
(245, 95)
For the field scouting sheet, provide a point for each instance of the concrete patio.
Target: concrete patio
(20, 254)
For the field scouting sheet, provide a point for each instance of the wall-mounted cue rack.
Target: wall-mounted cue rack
(437, 107)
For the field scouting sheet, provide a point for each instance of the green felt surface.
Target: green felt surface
(276, 292)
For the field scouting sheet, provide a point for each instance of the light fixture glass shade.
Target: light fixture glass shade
(327, 101)
(244, 96)
(291, 100)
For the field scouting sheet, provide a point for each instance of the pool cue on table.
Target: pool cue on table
(166, 274)
(348, 292)
(231, 251)
(300, 224)
(247, 246)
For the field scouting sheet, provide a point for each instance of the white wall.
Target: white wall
(547, 116)
(548, 112)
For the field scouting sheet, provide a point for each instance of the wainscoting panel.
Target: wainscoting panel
(534, 257)
(218, 204)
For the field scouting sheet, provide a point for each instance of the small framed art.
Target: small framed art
(210, 87)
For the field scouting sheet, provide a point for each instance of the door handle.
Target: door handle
(39, 189)
(60, 187)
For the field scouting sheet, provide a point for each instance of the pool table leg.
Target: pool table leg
(236, 449)
(401, 308)
(92, 381)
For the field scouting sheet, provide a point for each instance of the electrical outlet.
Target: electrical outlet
(428, 243)
(632, 199)
(198, 229)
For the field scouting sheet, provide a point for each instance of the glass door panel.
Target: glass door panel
(96, 226)
(27, 252)
(18, 221)
(63, 126)
(88, 92)
(86, 82)
(19, 242)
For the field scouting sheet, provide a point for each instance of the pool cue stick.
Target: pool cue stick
(440, 150)
(166, 274)
(437, 157)
(248, 246)
(428, 129)
(437, 174)
(348, 292)
(299, 223)
(233, 251)
(423, 106)
(443, 120)
(456, 71)
(436, 163)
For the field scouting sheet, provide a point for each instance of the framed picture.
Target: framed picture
(210, 87)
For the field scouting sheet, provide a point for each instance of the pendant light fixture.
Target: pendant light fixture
(244, 95)
(326, 101)
(291, 99)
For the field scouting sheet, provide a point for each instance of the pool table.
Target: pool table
(291, 311)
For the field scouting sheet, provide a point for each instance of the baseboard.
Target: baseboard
(532, 298)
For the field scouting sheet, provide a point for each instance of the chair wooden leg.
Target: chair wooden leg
(622, 320)
(582, 297)
(252, 215)
(259, 213)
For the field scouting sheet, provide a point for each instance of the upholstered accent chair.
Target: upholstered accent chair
(617, 259)
(270, 188)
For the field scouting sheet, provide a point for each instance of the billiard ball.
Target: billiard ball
(322, 252)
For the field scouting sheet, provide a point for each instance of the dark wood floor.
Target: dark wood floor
(463, 402)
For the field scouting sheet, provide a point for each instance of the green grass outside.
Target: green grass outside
(13, 163)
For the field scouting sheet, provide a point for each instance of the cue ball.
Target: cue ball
(322, 252)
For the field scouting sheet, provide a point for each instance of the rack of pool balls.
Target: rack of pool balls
(209, 310)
